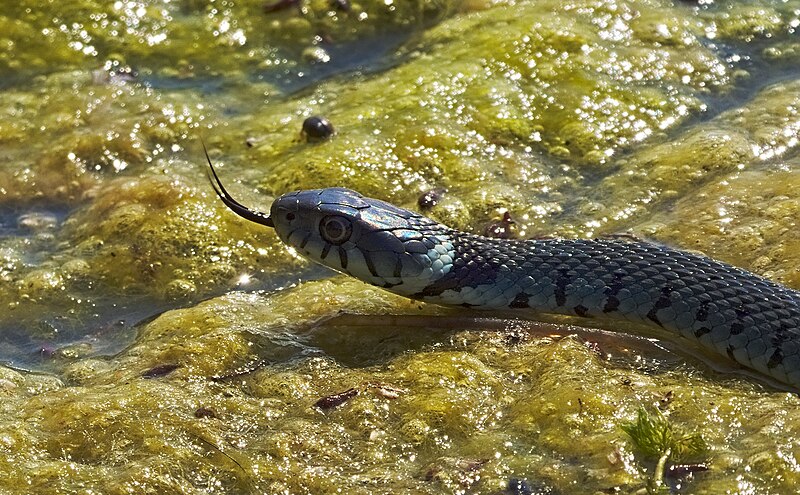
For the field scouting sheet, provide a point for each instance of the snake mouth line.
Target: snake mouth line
(232, 204)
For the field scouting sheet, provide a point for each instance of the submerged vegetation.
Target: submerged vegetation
(152, 342)
(656, 439)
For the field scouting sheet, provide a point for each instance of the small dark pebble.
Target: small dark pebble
(431, 198)
(160, 370)
(341, 5)
(317, 127)
(250, 142)
(205, 412)
(336, 400)
(501, 229)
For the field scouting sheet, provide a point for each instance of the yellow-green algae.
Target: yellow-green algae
(514, 408)
(579, 118)
(188, 36)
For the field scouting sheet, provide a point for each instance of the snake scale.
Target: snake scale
(728, 310)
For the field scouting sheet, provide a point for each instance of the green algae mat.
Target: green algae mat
(153, 342)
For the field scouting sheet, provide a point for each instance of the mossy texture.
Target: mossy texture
(467, 409)
(157, 343)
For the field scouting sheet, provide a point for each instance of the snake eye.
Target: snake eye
(335, 229)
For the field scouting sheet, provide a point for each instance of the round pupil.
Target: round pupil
(335, 229)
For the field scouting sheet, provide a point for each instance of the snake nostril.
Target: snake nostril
(290, 216)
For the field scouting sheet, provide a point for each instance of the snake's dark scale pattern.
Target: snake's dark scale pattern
(752, 320)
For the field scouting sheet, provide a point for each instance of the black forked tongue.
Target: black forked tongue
(232, 204)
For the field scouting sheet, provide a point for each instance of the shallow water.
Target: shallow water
(154, 342)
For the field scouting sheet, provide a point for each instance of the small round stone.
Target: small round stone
(317, 127)
(431, 198)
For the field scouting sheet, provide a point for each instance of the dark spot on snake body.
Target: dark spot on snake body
(737, 327)
(325, 251)
(663, 301)
(431, 198)
(448, 282)
(398, 267)
(612, 304)
(370, 264)
(611, 291)
(702, 313)
(775, 359)
(581, 310)
(561, 287)
(343, 258)
(652, 316)
(520, 301)
(317, 128)
(701, 331)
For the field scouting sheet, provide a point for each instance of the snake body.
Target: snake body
(728, 310)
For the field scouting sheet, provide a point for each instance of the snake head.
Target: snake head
(372, 240)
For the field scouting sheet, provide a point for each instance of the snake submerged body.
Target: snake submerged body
(727, 310)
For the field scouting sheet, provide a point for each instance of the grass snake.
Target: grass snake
(728, 310)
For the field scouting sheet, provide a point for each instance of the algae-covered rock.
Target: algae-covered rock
(529, 118)
(740, 139)
(473, 406)
(167, 34)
